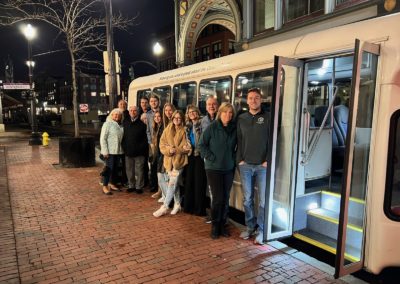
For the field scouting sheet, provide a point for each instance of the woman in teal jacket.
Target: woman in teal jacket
(217, 146)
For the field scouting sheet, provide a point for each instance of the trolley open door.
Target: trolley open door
(282, 152)
(284, 147)
(356, 165)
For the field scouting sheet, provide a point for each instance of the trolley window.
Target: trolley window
(320, 74)
(183, 95)
(220, 88)
(262, 80)
(392, 198)
(141, 94)
(164, 93)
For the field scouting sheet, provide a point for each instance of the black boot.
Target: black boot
(224, 229)
(215, 230)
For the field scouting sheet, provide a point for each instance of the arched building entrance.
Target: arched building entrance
(195, 15)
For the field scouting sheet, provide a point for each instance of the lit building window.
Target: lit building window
(197, 55)
(231, 47)
(217, 49)
(264, 15)
(294, 9)
(205, 53)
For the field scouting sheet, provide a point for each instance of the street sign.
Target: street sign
(107, 81)
(84, 107)
(16, 86)
(107, 62)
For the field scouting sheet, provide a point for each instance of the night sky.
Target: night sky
(155, 16)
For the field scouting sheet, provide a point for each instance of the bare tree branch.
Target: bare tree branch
(78, 21)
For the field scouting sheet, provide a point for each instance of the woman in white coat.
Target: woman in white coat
(110, 143)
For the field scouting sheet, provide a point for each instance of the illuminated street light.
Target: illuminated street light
(30, 33)
(158, 49)
(30, 63)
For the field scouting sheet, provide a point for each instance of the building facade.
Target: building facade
(255, 23)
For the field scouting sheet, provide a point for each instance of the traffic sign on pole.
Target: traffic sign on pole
(84, 107)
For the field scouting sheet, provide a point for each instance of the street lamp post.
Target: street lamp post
(1, 107)
(30, 34)
(157, 51)
(111, 56)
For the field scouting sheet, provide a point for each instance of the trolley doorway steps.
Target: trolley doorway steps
(320, 227)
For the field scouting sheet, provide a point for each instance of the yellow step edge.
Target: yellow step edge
(324, 246)
(335, 221)
(357, 200)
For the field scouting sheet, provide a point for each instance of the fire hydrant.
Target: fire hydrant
(45, 139)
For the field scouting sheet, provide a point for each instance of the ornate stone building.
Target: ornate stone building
(256, 23)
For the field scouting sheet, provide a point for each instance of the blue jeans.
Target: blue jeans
(172, 187)
(251, 176)
(163, 183)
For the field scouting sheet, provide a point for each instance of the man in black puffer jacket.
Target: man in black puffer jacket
(134, 144)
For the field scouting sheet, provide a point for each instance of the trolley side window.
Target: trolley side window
(220, 88)
(262, 80)
(392, 195)
(164, 93)
(184, 94)
(142, 93)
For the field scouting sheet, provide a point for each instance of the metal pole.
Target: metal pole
(111, 56)
(1, 109)
(35, 137)
(177, 30)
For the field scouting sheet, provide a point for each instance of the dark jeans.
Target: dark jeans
(118, 175)
(220, 183)
(110, 163)
(153, 175)
(195, 187)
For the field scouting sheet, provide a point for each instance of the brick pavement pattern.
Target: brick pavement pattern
(67, 231)
(8, 254)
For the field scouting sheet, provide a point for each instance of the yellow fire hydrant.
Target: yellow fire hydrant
(45, 139)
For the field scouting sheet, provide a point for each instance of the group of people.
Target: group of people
(189, 154)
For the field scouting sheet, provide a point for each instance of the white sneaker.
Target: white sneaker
(246, 234)
(161, 200)
(176, 209)
(161, 211)
(259, 240)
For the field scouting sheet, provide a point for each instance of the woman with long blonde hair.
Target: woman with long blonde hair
(168, 110)
(175, 148)
(195, 175)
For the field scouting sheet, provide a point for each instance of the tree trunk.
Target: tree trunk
(74, 95)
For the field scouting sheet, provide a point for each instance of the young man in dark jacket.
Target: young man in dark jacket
(134, 144)
(252, 133)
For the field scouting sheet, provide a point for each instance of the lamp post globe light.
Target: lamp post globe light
(30, 33)
(158, 49)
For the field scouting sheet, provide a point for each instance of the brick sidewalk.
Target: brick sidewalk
(67, 231)
(8, 255)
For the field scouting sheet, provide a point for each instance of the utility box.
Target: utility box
(67, 116)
